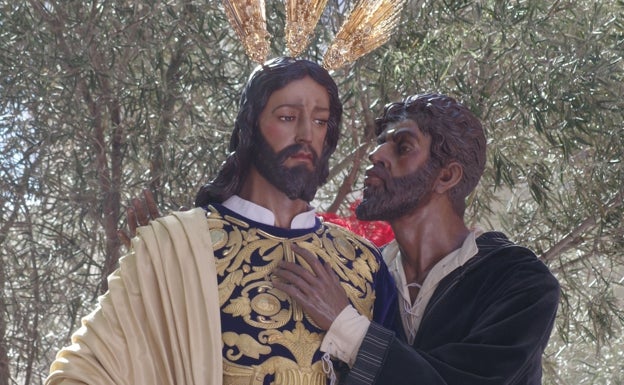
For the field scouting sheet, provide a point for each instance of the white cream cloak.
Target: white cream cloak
(159, 323)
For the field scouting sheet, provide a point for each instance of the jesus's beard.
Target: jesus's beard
(395, 197)
(296, 182)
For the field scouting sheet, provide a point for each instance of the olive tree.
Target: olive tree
(101, 99)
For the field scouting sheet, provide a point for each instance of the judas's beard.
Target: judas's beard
(395, 197)
(296, 182)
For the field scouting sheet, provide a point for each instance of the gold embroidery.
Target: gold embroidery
(246, 258)
(296, 308)
(301, 342)
(365, 304)
(238, 307)
(226, 288)
(266, 305)
(298, 376)
(265, 321)
(245, 344)
(344, 248)
(218, 238)
(236, 221)
(286, 372)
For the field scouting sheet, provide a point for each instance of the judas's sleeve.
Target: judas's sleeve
(506, 339)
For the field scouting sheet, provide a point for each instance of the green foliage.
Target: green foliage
(100, 99)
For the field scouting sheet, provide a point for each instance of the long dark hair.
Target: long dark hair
(266, 79)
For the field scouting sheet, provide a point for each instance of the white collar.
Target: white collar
(445, 266)
(257, 213)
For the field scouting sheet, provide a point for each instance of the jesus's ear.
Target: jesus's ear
(448, 176)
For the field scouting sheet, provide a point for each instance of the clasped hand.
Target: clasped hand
(318, 292)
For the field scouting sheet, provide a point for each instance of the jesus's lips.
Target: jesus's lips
(304, 156)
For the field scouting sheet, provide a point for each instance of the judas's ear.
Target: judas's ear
(448, 176)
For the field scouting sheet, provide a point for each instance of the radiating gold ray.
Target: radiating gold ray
(369, 25)
(301, 19)
(248, 19)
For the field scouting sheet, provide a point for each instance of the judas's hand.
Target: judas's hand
(139, 214)
(318, 292)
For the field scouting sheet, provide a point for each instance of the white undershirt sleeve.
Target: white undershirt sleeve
(345, 335)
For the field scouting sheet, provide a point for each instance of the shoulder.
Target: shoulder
(493, 245)
(174, 231)
(509, 262)
(340, 232)
(190, 220)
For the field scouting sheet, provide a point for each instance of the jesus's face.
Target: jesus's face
(293, 126)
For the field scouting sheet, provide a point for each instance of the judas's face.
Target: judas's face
(401, 176)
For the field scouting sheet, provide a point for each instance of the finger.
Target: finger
(124, 238)
(291, 290)
(294, 286)
(311, 259)
(331, 273)
(295, 269)
(324, 273)
(132, 221)
(141, 214)
(150, 202)
(295, 275)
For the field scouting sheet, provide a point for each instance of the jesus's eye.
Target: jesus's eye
(320, 122)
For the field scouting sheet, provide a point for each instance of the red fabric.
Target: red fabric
(378, 232)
